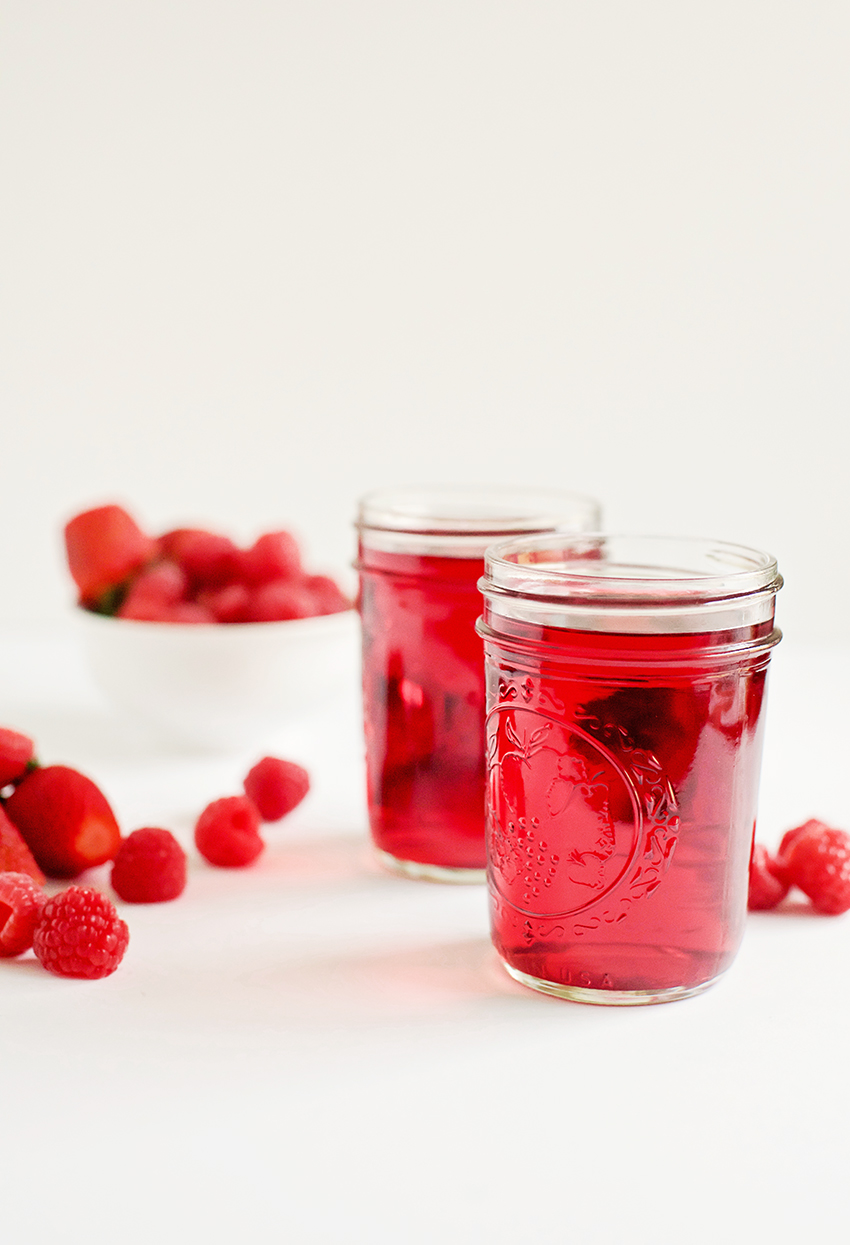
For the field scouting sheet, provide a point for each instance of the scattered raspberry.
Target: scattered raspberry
(79, 934)
(21, 902)
(276, 787)
(767, 889)
(227, 833)
(15, 856)
(818, 862)
(64, 819)
(790, 837)
(149, 867)
(17, 751)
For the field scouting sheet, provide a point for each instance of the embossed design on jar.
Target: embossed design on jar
(605, 823)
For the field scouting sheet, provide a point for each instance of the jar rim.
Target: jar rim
(475, 509)
(609, 568)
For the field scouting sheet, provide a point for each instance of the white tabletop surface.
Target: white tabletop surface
(310, 1050)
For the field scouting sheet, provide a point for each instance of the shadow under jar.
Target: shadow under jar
(625, 711)
(421, 554)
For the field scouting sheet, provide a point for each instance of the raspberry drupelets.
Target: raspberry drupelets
(149, 867)
(79, 934)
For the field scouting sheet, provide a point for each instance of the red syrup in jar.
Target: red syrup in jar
(423, 690)
(623, 765)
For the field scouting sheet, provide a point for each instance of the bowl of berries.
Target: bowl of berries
(212, 644)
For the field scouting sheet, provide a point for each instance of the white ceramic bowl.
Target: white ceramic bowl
(223, 685)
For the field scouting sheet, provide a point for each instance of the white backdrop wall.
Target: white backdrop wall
(259, 256)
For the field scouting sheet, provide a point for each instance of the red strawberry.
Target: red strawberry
(15, 856)
(104, 547)
(16, 752)
(65, 820)
(274, 555)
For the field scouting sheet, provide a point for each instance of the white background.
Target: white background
(257, 258)
(260, 256)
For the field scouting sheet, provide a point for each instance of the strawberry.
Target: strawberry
(64, 819)
(15, 856)
(104, 547)
(16, 753)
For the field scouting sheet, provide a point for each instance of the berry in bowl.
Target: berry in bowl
(213, 644)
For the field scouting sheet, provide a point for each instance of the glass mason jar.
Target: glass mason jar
(625, 697)
(421, 553)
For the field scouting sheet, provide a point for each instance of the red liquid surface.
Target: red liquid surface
(423, 689)
(621, 807)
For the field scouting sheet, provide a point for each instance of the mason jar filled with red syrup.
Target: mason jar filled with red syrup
(625, 711)
(421, 554)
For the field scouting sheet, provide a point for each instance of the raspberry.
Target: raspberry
(21, 902)
(767, 889)
(64, 819)
(149, 867)
(208, 559)
(153, 589)
(227, 833)
(818, 862)
(327, 595)
(790, 837)
(79, 934)
(15, 856)
(228, 604)
(280, 601)
(16, 753)
(276, 787)
(274, 555)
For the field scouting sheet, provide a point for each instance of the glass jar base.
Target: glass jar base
(608, 998)
(422, 872)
